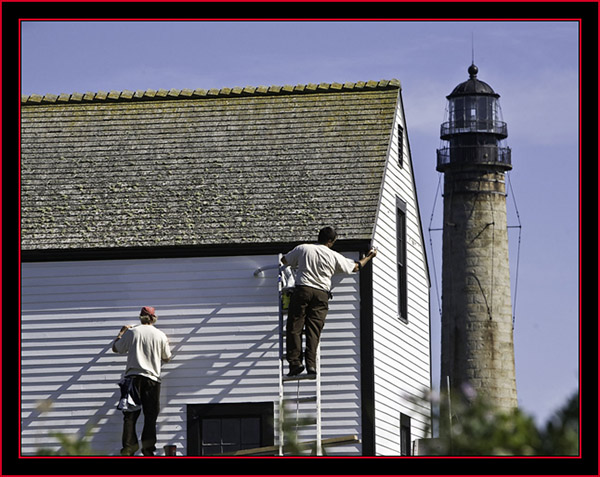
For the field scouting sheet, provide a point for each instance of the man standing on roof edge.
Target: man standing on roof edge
(146, 348)
(309, 303)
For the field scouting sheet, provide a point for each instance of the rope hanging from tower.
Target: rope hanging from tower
(512, 192)
(437, 291)
(517, 267)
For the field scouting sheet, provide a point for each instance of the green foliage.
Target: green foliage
(480, 429)
(561, 434)
(71, 445)
(291, 427)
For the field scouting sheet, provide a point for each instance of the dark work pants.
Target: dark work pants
(308, 310)
(149, 392)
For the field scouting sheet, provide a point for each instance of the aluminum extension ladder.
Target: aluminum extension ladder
(285, 381)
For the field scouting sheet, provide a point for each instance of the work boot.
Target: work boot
(295, 370)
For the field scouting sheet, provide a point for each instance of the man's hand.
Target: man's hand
(119, 336)
(363, 261)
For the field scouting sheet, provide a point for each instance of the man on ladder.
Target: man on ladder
(309, 303)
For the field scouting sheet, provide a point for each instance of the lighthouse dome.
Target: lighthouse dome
(473, 86)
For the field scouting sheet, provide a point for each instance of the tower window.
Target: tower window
(401, 259)
(400, 146)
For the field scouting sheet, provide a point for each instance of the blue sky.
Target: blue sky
(534, 66)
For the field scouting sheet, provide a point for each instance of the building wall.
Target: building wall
(401, 350)
(223, 327)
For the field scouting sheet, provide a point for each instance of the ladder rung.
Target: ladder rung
(305, 421)
(302, 399)
(299, 377)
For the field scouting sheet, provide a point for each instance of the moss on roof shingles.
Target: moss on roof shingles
(231, 168)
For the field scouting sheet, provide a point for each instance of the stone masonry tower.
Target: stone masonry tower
(477, 331)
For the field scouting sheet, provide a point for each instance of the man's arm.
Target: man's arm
(291, 258)
(166, 354)
(119, 336)
(363, 261)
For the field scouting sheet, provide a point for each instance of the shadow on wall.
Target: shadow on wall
(73, 407)
(70, 384)
(222, 323)
(229, 355)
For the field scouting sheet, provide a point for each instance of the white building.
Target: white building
(173, 199)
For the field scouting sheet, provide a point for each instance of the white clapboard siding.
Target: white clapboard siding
(222, 323)
(401, 351)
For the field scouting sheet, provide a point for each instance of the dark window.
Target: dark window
(400, 146)
(457, 112)
(405, 444)
(217, 428)
(401, 258)
(483, 110)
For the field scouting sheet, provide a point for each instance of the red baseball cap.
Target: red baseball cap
(147, 310)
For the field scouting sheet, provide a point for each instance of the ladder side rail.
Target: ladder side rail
(318, 398)
(281, 396)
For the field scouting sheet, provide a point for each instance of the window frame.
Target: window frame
(400, 146)
(401, 260)
(405, 435)
(196, 413)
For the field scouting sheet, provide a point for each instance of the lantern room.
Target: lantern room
(474, 127)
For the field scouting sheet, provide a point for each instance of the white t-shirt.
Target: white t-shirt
(317, 264)
(146, 347)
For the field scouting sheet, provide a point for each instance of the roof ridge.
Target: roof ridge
(151, 94)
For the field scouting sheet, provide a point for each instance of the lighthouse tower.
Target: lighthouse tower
(477, 331)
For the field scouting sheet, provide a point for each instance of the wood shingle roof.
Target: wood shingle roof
(203, 167)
